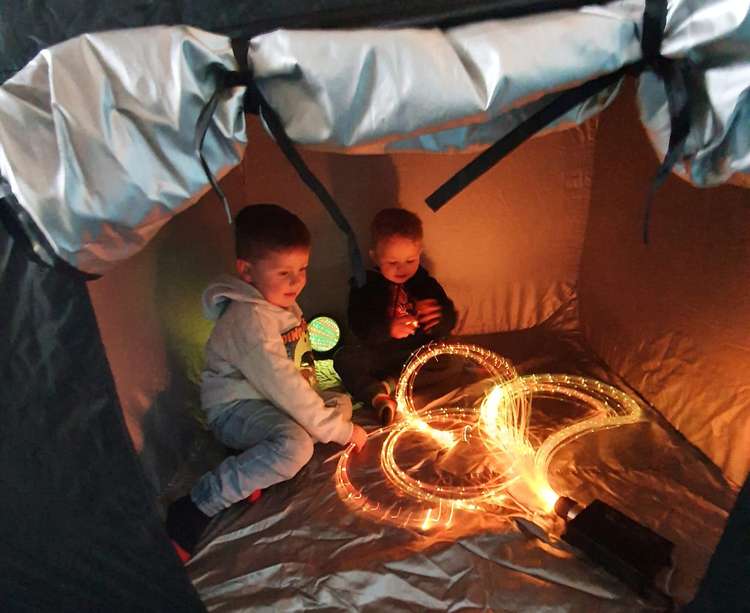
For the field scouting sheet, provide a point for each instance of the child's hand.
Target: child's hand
(429, 313)
(359, 437)
(403, 326)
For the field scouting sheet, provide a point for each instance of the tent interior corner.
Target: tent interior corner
(543, 254)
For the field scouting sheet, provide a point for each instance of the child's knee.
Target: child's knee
(341, 402)
(297, 448)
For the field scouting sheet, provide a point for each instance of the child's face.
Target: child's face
(279, 275)
(397, 257)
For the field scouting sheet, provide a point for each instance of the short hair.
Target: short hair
(261, 228)
(395, 222)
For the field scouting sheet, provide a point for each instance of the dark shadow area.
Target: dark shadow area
(177, 447)
(78, 528)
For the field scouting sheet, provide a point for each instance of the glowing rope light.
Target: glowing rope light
(498, 368)
(501, 423)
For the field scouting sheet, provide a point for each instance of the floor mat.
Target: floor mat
(302, 547)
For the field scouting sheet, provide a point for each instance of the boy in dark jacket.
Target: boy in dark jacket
(400, 308)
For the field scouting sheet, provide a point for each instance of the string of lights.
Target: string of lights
(519, 479)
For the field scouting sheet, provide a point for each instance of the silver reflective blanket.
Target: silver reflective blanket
(300, 547)
(395, 89)
(468, 86)
(97, 136)
(716, 42)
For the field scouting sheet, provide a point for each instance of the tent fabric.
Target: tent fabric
(121, 172)
(507, 253)
(367, 88)
(707, 369)
(520, 211)
(670, 317)
(719, 85)
(113, 154)
(78, 526)
(723, 587)
(28, 26)
(121, 155)
(510, 250)
(483, 77)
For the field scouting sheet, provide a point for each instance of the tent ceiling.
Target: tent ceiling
(114, 149)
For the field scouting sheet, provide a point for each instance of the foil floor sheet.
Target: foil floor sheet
(301, 548)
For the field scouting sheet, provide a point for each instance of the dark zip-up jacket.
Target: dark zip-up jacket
(369, 311)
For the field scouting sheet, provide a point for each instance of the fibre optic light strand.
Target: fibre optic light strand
(519, 481)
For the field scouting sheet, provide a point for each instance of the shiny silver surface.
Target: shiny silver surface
(97, 136)
(400, 90)
(415, 89)
(97, 133)
(300, 547)
(716, 42)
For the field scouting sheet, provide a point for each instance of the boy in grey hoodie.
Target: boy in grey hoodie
(258, 384)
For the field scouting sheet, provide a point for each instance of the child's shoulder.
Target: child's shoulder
(422, 279)
(250, 324)
(374, 281)
(245, 315)
(421, 276)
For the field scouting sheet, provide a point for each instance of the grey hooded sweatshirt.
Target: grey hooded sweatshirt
(250, 355)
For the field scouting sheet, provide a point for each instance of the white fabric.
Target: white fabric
(98, 140)
(373, 89)
(246, 358)
(387, 90)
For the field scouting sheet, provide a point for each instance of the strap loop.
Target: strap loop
(254, 102)
(522, 132)
(675, 76)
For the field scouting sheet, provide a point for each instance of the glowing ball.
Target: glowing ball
(325, 334)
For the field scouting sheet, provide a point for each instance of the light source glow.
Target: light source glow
(324, 333)
(517, 473)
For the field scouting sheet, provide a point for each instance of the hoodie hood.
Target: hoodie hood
(225, 289)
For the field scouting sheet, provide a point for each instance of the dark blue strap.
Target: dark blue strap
(255, 102)
(295, 159)
(675, 76)
(204, 120)
(525, 130)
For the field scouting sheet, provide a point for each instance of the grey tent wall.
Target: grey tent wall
(78, 527)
